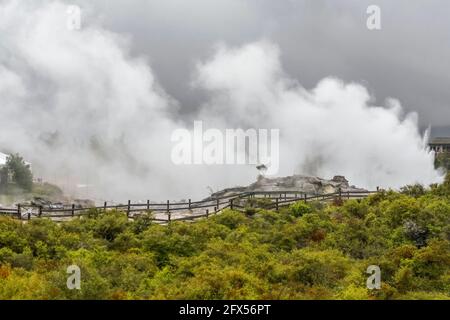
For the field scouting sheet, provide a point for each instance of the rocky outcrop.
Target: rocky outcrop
(63, 203)
(302, 184)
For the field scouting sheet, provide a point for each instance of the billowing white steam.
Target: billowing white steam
(83, 111)
(332, 129)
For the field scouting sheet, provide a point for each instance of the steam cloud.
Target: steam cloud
(84, 111)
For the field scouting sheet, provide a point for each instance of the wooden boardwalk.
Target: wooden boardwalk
(182, 211)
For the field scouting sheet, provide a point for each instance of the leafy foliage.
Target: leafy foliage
(305, 251)
(20, 171)
(442, 160)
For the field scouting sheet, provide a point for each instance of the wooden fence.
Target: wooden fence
(167, 212)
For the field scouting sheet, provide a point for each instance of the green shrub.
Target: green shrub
(299, 208)
(304, 251)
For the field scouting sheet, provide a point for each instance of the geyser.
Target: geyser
(84, 110)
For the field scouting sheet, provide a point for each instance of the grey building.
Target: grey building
(440, 144)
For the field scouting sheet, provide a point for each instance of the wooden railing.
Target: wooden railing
(194, 209)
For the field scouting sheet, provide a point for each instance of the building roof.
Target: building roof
(440, 140)
(3, 158)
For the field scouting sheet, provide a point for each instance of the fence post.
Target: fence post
(305, 196)
(207, 213)
(104, 206)
(169, 218)
(73, 209)
(19, 212)
(148, 205)
(348, 195)
(40, 211)
(168, 211)
(128, 208)
(276, 203)
(378, 189)
(189, 204)
(340, 194)
(29, 214)
(231, 204)
(217, 204)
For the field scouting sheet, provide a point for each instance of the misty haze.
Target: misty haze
(87, 109)
(224, 150)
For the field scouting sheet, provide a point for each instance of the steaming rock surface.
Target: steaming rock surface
(301, 183)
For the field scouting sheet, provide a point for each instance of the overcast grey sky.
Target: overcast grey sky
(407, 59)
(137, 71)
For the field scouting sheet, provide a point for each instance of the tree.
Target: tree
(446, 183)
(21, 172)
(442, 160)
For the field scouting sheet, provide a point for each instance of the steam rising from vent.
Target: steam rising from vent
(332, 129)
(84, 111)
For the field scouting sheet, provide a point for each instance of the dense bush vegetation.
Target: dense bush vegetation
(312, 251)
